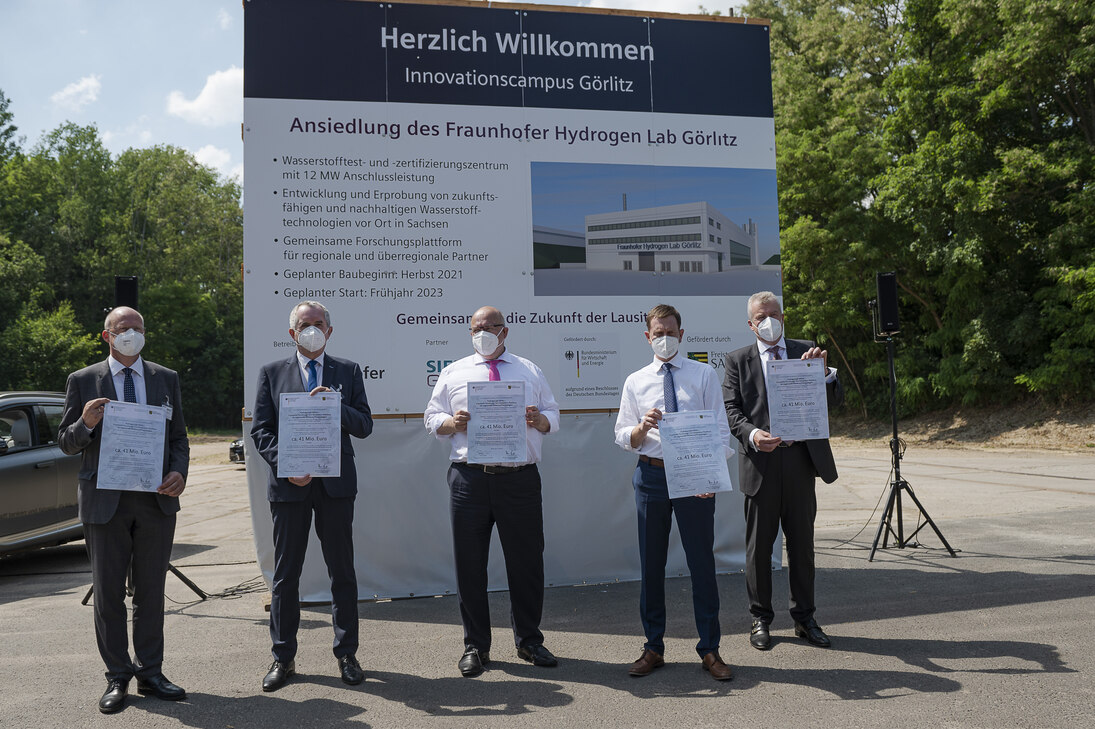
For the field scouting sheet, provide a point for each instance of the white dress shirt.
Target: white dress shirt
(450, 394)
(302, 363)
(118, 376)
(697, 388)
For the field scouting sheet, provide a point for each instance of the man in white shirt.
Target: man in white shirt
(485, 494)
(671, 383)
(776, 477)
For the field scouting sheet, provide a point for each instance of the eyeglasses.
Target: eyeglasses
(487, 328)
(123, 331)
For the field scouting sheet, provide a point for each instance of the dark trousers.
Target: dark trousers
(334, 527)
(140, 534)
(786, 498)
(478, 501)
(696, 524)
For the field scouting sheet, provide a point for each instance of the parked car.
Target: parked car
(37, 481)
(235, 452)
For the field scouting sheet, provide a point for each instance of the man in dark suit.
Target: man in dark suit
(123, 528)
(776, 477)
(293, 500)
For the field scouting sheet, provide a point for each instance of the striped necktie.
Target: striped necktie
(669, 389)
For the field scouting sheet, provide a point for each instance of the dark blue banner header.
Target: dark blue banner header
(349, 50)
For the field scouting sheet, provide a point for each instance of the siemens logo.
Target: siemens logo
(433, 369)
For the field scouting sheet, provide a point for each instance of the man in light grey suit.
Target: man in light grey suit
(123, 528)
(776, 477)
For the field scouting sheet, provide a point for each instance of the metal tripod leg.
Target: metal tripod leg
(928, 519)
(884, 524)
(129, 586)
(197, 590)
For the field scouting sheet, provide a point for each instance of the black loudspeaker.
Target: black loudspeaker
(887, 302)
(125, 291)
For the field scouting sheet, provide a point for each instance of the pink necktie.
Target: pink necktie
(493, 365)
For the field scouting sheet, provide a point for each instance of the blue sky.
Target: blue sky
(149, 72)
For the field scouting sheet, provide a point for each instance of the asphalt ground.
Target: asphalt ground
(1001, 636)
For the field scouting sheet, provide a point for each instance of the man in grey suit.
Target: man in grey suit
(123, 528)
(294, 500)
(776, 477)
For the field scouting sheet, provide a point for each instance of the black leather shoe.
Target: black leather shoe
(113, 700)
(472, 662)
(812, 633)
(537, 655)
(759, 637)
(278, 675)
(160, 687)
(351, 670)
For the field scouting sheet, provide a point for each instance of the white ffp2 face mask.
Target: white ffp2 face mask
(484, 342)
(771, 329)
(129, 343)
(312, 339)
(665, 347)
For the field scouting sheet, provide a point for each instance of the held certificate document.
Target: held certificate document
(797, 408)
(496, 428)
(694, 455)
(310, 435)
(131, 451)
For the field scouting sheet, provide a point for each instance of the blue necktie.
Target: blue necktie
(313, 381)
(129, 390)
(669, 388)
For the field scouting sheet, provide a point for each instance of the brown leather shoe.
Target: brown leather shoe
(646, 664)
(713, 664)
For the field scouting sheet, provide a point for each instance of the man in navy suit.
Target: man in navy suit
(124, 528)
(777, 477)
(294, 500)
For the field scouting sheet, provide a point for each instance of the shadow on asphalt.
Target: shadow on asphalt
(210, 711)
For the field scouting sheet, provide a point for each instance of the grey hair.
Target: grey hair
(293, 318)
(761, 297)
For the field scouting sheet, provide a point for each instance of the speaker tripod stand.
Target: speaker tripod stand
(129, 584)
(898, 484)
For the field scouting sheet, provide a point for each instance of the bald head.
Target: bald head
(489, 320)
(489, 314)
(121, 318)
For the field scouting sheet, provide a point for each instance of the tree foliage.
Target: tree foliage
(72, 217)
(951, 141)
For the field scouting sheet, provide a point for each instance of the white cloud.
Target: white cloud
(135, 134)
(215, 157)
(220, 160)
(686, 7)
(78, 94)
(220, 101)
(224, 19)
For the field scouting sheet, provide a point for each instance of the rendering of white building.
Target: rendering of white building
(686, 238)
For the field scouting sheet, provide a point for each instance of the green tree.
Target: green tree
(8, 143)
(80, 217)
(40, 348)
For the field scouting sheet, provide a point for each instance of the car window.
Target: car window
(49, 422)
(15, 429)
